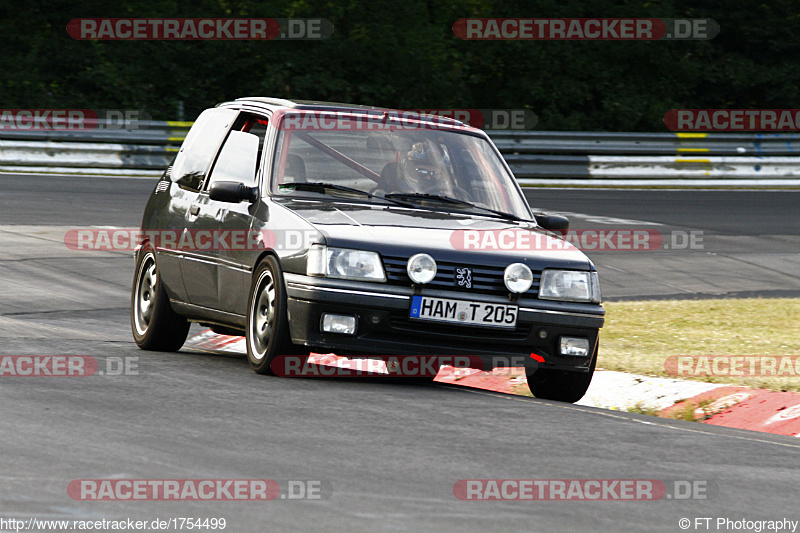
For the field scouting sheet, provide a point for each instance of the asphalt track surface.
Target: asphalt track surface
(389, 452)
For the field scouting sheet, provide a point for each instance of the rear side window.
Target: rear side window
(200, 147)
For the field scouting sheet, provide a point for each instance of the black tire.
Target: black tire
(560, 385)
(267, 332)
(154, 324)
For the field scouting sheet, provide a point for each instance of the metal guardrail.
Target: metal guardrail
(598, 143)
(536, 157)
(142, 148)
(651, 159)
(147, 132)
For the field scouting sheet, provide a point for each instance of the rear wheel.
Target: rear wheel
(154, 324)
(267, 332)
(560, 385)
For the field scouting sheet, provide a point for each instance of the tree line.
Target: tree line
(404, 54)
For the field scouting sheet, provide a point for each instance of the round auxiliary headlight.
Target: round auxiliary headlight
(518, 278)
(421, 268)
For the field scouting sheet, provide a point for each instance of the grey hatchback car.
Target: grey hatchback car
(313, 226)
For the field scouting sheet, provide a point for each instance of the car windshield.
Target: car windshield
(412, 163)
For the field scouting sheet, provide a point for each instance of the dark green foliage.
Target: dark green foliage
(404, 54)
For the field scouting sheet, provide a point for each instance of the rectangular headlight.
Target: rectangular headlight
(570, 286)
(343, 263)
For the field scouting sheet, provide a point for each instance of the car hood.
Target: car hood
(399, 231)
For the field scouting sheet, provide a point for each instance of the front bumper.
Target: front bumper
(384, 326)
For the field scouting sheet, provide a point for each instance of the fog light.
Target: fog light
(518, 277)
(576, 346)
(421, 268)
(345, 324)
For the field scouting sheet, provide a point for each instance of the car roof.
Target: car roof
(260, 103)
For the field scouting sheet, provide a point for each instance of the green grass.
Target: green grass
(639, 336)
(643, 409)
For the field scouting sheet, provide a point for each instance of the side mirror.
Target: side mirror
(554, 223)
(232, 192)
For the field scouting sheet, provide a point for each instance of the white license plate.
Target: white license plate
(463, 312)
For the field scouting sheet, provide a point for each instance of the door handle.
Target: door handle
(194, 210)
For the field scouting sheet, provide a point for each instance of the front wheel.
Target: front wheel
(560, 385)
(154, 324)
(267, 332)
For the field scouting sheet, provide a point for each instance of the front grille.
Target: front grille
(485, 279)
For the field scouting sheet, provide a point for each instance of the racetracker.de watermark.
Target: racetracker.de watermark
(585, 29)
(128, 239)
(198, 29)
(732, 119)
(733, 365)
(388, 120)
(626, 240)
(66, 366)
(198, 489)
(487, 119)
(70, 119)
(400, 366)
(618, 240)
(583, 489)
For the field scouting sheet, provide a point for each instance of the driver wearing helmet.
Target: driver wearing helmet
(422, 170)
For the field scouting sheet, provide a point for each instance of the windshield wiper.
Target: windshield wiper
(323, 187)
(452, 201)
(425, 196)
